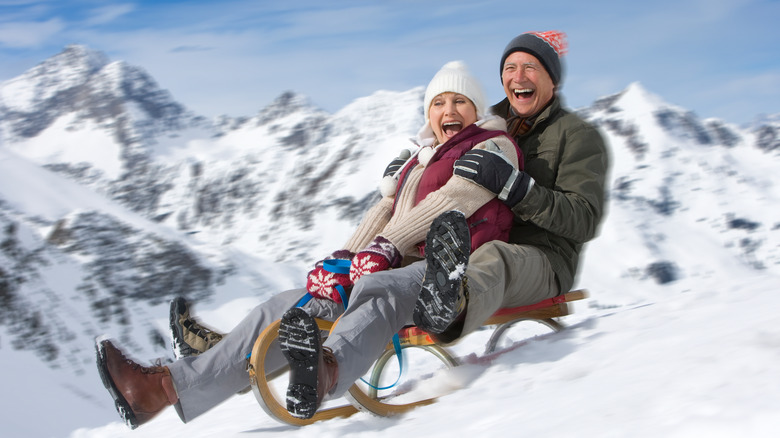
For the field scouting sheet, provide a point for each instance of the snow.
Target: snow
(458, 272)
(20, 91)
(95, 144)
(39, 192)
(688, 362)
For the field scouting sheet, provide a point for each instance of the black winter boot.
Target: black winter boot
(444, 294)
(189, 337)
(313, 369)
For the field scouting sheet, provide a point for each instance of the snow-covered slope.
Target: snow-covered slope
(114, 198)
(688, 361)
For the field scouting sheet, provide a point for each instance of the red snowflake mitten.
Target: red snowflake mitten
(379, 255)
(321, 283)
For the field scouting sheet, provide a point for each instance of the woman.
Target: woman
(383, 294)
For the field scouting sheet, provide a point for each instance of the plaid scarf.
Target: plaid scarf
(517, 126)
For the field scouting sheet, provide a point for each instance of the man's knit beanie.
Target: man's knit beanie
(454, 77)
(548, 47)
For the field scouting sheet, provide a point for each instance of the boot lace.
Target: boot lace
(211, 337)
(327, 355)
(155, 369)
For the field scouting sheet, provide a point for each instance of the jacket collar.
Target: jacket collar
(504, 110)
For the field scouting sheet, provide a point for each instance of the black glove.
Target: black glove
(494, 172)
(397, 163)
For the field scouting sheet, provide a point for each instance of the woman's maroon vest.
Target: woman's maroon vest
(493, 220)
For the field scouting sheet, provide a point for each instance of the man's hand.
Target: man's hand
(397, 163)
(496, 173)
(390, 177)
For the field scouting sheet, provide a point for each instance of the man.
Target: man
(558, 200)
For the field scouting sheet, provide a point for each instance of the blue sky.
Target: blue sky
(718, 58)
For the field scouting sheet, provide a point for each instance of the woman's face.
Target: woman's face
(449, 114)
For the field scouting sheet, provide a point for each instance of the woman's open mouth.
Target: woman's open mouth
(451, 128)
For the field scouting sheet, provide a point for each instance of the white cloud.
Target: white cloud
(30, 34)
(107, 14)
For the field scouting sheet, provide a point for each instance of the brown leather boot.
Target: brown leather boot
(327, 373)
(139, 392)
(314, 371)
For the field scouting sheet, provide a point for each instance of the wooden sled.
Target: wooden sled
(368, 400)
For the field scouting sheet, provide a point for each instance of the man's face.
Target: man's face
(527, 84)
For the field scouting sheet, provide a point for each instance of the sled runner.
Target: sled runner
(368, 399)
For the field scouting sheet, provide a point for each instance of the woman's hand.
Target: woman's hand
(321, 283)
(379, 255)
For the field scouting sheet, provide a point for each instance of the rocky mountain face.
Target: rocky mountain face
(675, 176)
(131, 199)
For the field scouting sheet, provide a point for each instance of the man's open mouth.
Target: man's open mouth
(523, 93)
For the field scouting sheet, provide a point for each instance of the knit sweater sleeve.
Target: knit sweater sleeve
(372, 223)
(410, 223)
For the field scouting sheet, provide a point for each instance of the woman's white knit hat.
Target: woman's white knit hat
(454, 77)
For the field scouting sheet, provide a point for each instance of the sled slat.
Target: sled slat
(549, 308)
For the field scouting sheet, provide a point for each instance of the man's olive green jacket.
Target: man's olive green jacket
(567, 158)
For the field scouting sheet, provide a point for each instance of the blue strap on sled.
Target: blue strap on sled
(341, 266)
(399, 355)
(306, 298)
(338, 266)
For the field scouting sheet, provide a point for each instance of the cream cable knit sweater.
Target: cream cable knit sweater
(410, 223)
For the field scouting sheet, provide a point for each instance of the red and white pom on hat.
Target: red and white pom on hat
(548, 47)
(556, 39)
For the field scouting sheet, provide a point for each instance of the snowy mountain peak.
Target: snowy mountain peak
(66, 70)
(643, 119)
(635, 100)
(636, 88)
(285, 104)
(75, 62)
(78, 80)
(84, 115)
(290, 101)
(78, 57)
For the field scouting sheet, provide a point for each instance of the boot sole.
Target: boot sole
(447, 251)
(299, 339)
(122, 407)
